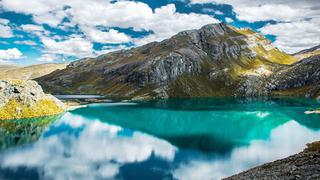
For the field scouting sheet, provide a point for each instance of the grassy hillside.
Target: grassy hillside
(28, 72)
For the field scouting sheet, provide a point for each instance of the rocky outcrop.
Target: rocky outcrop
(216, 60)
(305, 165)
(25, 99)
(301, 78)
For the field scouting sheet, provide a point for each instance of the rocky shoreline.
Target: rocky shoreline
(304, 165)
(26, 99)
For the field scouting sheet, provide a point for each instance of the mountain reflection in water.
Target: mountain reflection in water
(23, 131)
(164, 139)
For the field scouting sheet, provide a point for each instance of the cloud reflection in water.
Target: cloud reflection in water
(82, 146)
(287, 139)
(96, 150)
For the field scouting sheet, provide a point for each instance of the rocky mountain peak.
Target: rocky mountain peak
(215, 60)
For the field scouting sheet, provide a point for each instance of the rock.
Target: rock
(25, 99)
(251, 86)
(304, 165)
(301, 78)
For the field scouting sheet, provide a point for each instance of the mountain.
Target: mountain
(6, 67)
(28, 72)
(300, 79)
(216, 60)
(307, 53)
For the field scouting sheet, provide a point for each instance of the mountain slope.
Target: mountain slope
(216, 60)
(300, 79)
(307, 53)
(6, 67)
(28, 72)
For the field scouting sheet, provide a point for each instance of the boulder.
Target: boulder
(26, 99)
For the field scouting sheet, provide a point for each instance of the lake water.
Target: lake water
(163, 139)
(79, 96)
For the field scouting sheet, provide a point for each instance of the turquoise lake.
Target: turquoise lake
(207, 138)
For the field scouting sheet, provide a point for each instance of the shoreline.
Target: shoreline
(312, 112)
(303, 165)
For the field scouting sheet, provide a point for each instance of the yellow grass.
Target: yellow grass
(15, 110)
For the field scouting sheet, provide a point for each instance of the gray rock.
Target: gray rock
(25, 92)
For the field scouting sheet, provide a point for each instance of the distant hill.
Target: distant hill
(216, 60)
(307, 53)
(8, 67)
(28, 72)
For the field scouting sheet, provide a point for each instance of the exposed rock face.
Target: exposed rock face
(305, 165)
(25, 99)
(216, 60)
(302, 78)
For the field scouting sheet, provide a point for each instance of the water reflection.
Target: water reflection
(284, 140)
(210, 141)
(201, 124)
(23, 131)
(77, 148)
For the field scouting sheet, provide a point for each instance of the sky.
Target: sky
(53, 31)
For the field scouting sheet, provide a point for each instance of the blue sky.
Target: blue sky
(42, 31)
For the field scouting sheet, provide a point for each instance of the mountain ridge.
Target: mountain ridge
(29, 72)
(215, 60)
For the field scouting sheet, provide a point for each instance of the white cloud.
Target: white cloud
(164, 21)
(110, 36)
(52, 18)
(5, 29)
(10, 54)
(261, 10)
(295, 36)
(229, 20)
(74, 46)
(26, 42)
(269, 12)
(31, 27)
(35, 29)
(31, 7)
(4, 21)
(47, 57)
